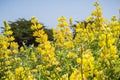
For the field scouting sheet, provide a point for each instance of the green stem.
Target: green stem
(82, 62)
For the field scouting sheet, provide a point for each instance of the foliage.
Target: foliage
(93, 54)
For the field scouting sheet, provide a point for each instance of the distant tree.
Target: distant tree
(23, 33)
(49, 33)
(1, 29)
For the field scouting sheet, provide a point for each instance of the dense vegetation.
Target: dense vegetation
(93, 53)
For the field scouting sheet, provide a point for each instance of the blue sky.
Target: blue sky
(47, 11)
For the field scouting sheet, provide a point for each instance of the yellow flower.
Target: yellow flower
(11, 38)
(96, 4)
(76, 75)
(6, 56)
(47, 46)
(102, 37)
(113, 49)
(90, 18)
(45, 58)
(34, 20)
(15, 51)
(93, 26)
(64, 77)
(43, 51)
(102, 55)
(10, 75)
(111, 41)
(45, 38)
(22, 48)
(102, 44)
(113, 18)
(95, 78)
(7, 27)
(39, 26)
(14, 45)
(78, 60)
(94, 13)
(91, 36)
(78, 30)
(33, 57)
(115, 56)
(33, 27)
(58, 69)
(99, 13)
(8, 62)
(65, 23)
(34, 70)
(61, 25)
(8, 32)
(19, 70)
(71, 21)
(68, 44)
(71, 55)
(61, 19)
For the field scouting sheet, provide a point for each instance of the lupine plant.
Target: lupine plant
(92, 53)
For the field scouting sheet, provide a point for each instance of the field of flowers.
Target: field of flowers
(92, 53)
